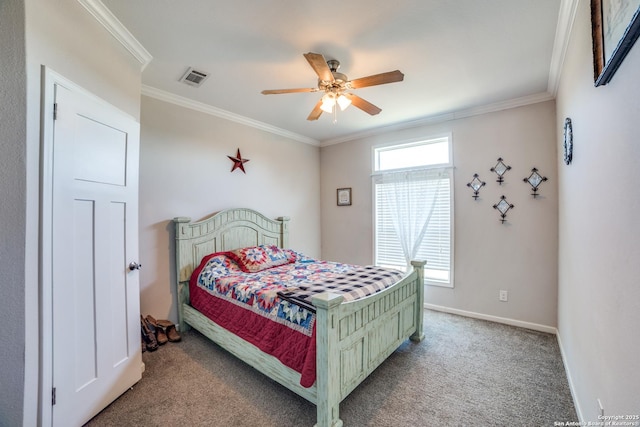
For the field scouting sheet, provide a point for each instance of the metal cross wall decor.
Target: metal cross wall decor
(535, 179)
(503, 206)
(500, 169)
(476, 185)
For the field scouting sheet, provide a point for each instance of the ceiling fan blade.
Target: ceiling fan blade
(316, 112)
(360, 103)
(277, 91)
(377, 79)
(319, 65)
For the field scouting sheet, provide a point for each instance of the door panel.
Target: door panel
(103, 157)
(95, 297)
(83, 338)
(117, 284)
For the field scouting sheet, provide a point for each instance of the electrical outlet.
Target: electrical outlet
(503, 296)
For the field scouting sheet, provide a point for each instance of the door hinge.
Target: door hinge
(53, 396)
(55, 111)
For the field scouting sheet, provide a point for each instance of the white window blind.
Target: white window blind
(420, 186)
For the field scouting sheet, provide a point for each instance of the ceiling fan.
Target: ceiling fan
(335, 86)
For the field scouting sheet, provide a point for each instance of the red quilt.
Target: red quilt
(293, 348)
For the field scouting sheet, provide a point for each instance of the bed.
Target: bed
(352, 338)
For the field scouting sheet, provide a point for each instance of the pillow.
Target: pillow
(258, 258)
(212, 267)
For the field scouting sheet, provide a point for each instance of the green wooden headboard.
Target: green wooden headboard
(223, 231)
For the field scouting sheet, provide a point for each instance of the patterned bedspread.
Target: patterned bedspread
(270, 305)
(354, 283)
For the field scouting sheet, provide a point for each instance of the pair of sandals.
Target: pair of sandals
(157, 332)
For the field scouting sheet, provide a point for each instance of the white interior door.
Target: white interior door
(95, 295)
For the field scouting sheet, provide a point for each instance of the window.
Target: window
(413, 192)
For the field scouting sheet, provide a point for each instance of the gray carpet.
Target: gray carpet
(467, 372)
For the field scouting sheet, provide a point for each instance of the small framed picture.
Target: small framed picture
(344, 196)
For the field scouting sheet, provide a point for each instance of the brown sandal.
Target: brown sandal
(160, 333)
(169, 329)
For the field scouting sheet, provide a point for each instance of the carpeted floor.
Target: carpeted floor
(467, 372)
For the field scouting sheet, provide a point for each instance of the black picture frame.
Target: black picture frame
(608, 20)
(343, 196)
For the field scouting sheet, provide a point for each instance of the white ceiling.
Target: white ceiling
(455, 55)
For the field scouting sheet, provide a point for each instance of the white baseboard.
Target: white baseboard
(576, 402)
(497, 319)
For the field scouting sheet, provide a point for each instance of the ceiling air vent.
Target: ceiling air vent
(193, 77)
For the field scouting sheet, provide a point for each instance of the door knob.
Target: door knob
(134, 266)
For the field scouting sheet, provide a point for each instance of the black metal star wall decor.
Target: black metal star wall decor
(238, 162)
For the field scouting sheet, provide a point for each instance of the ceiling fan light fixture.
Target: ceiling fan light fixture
(328, 102)
(343, 102)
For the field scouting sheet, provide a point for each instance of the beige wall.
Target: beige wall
(12, 210)
(63, 36)
(519, 256)
(184, 171)
(599, 249)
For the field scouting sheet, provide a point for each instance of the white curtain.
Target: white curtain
(410, 197)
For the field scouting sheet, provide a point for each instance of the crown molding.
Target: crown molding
(109, 21)
(439, 118)
(566, 17)
(218, 112)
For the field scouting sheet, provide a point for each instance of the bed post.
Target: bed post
(327, 360)
(284, 232)
(418, 267)
(182, 287)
